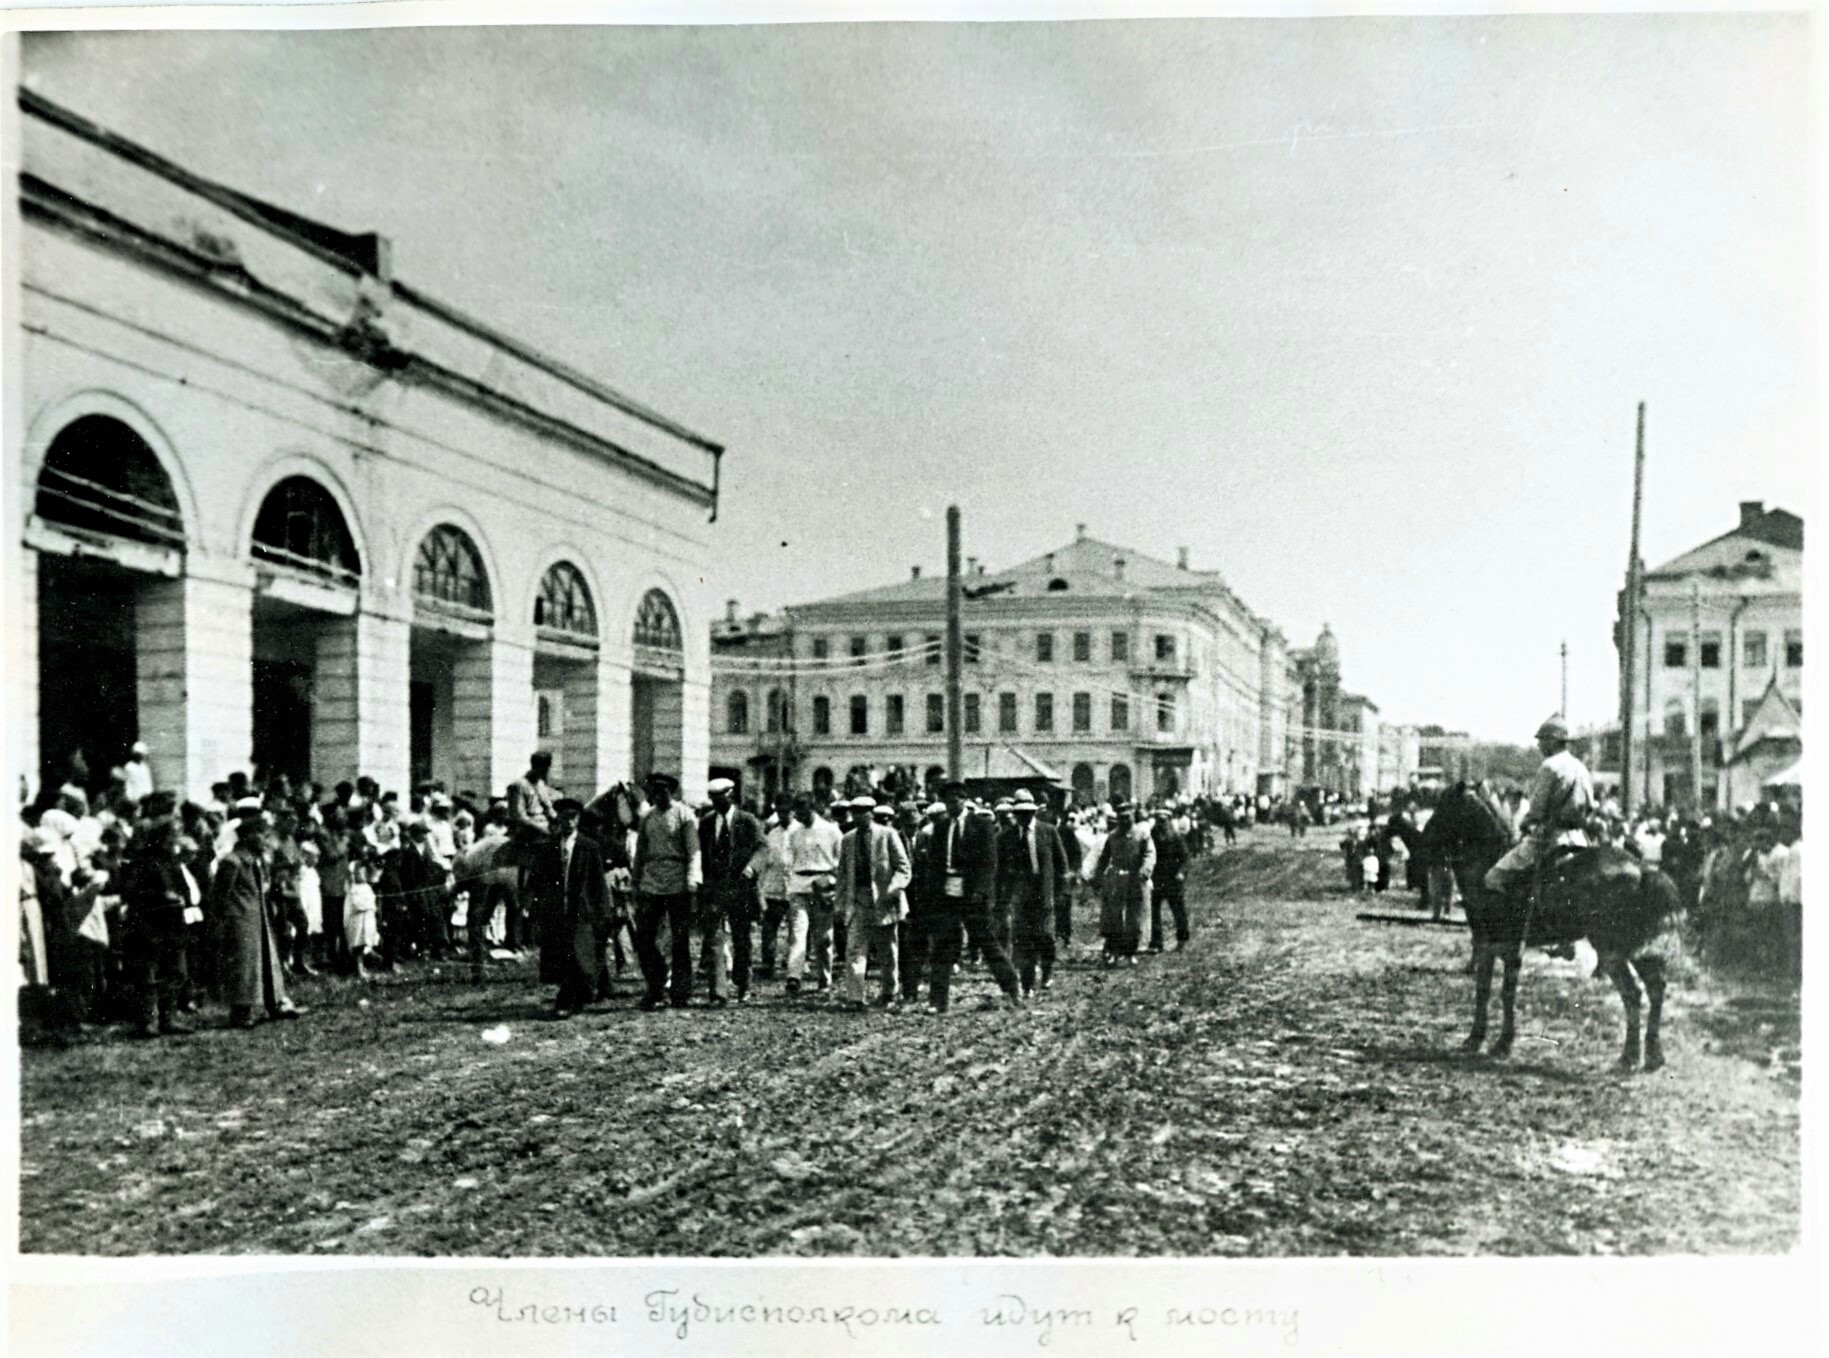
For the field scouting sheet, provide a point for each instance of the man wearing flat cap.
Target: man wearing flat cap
(666, 873)
(572, 897)
(733, 851)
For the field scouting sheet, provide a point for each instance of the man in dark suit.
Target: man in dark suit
(733, 850)
(1168, 880)
(566, 880)
(960, 873)
(1031, 873)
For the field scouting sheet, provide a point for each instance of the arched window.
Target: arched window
(301, 526)
(822, 780)
(657, 625)
(736, 713)
(1675, 723)
(448, 572)
(1084, 784)
(1119, 782)
(100, 476)
(565, 604)
(777, 711)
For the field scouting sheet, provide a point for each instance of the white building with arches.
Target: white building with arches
(275, 509)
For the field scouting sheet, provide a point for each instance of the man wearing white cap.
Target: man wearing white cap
(873, 873)
(733, 849)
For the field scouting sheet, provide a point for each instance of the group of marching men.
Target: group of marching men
(855, 883)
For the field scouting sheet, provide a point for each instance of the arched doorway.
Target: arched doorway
(657, 707)
(566, 677)
(1118, 780)
(1085, 785)
(307, 579)
(453, 629)
(110, 539)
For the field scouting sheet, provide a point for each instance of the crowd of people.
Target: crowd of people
(139, 908)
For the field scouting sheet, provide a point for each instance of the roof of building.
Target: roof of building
(1773, 719)
(1086, 567)
(1746, 548)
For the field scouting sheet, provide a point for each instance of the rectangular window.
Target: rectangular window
(894, 645)
(973, 714)
(1794, 650)
(1006, 713)
(895, 714)
(1752, 650)
(1082, 713)
(1676, 650)
(1711, 719)
(820, 648)
(1120, 647)
(1165, 646)
(935, 651)
(1120, 712)
(936, 713)
(1044, 648)
(1044, 712)
(1711, 651)
(860, 715)
(1082, 648)
(972, 648)
(1165, 712)
(858, 648)
(822, 716)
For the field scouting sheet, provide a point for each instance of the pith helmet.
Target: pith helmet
(1555, 728)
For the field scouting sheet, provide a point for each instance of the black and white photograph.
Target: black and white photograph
(1139, 639)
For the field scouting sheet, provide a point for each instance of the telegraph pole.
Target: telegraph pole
(1629, 642)
(1695, 680)
(955, 653)
(1564, 709)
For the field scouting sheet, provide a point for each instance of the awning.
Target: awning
(1006, 762)
(1789, 777)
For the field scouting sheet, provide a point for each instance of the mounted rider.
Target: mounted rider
(1561, 801)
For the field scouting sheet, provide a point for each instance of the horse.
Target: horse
(1622, 906)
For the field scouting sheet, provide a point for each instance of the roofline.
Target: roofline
(1737, 530)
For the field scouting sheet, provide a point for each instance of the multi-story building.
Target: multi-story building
(1122, 674)
(1746, 587)
(274, 508)
(1337, 743)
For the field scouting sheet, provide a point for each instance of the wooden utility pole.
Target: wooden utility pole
(1695, 685)
(955, 652)
(1564, 709)
(1629, 628)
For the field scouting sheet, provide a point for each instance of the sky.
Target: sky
(1359, 310)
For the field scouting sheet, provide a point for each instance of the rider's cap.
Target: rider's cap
(1555, 728)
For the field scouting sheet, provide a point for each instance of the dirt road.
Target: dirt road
(1286, 1086)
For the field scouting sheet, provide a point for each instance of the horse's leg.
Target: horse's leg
(1626, 981)
(1651, 971)
(1508, 1002)
(1482, 992)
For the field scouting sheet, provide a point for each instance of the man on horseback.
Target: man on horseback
(1561, 800)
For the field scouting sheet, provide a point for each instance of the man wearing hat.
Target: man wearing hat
(813, 845)
(915, 937)
(1031, 872)
(666, 874)
(959, 878)
(1168, 879)
(136, 774)
(572, 899)
(1561, 800)
(733, 851)
(157, 890)
(873, 874)
(1125, 864)
(253, 972)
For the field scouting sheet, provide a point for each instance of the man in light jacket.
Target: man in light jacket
(873, 876)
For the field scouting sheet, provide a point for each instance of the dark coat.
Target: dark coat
(156, 896)
(1017, 874)
(573, 909)
(238, 904)
(1171, 852)
(977, 860)
(722, 861)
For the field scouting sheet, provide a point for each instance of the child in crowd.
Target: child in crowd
(361, 911)
(311, 902)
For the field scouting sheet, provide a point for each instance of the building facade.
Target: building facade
(1746, 587)
(276, 510)
(1337, 741)
(1125, 675)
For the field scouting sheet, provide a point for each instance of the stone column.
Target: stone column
(613, 706)
(493, 727)
(194, 644)
(359, 708)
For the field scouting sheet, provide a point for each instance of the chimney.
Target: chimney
(1181, 557)
(1117, 566)
(914, 572)
(1079, 532)
(971, 565)
(730, 612)
(1050, 563)
(979, 565)
(1751, 511)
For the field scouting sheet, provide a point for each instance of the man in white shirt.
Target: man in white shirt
(774, 884)
(136, 774)
(813, 845)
